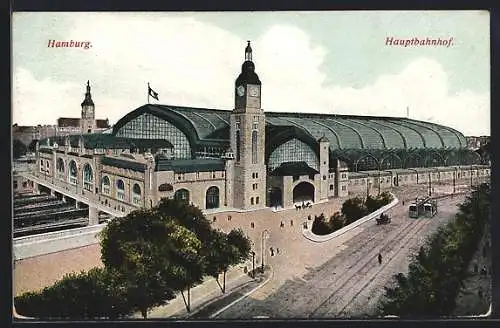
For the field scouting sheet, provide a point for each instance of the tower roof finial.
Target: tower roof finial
(248, 52)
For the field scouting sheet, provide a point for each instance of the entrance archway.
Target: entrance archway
(303, 192)
(275, 197)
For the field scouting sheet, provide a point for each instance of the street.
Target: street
(341, 277)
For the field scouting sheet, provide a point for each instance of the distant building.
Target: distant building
(474, 143)
(65, 125)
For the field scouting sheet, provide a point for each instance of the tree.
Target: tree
(85, 295)
(226, 250)
(353, 209)
(152, 255)
(18, 149)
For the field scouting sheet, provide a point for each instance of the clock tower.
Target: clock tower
(247, 134)
(87, 121)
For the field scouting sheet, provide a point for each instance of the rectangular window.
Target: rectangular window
(343, 188)
(331, 187)
(15, 184)
(251, 201)
(257, 200)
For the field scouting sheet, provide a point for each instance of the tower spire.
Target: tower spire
(88, 96)
(248, 52)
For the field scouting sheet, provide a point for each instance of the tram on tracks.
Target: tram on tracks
(426, 207)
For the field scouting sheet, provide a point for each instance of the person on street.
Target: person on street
(379, 258)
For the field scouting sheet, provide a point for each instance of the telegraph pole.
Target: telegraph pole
(253, 264)
(430, 185)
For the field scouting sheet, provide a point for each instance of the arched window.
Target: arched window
(120, 189)
(105, 185)
(73, 175)
(136, 194)
(391, 161)
(60, 166)
(413, 160)
(433, 159)
(366, 163)
(88, 177)
(238, 150)
(212, 198)
(182, 195)
(254, 147)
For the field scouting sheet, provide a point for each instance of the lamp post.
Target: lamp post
(430, 185)
(454, 179)
(253, 264)
(265, 234)
(471, 175)
(379, 182)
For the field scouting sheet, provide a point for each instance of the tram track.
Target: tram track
(352, 272)
(351, 278)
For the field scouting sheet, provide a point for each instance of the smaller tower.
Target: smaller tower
(87, 121)
(324, 165)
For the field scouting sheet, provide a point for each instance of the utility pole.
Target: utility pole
(430, 185)
(379, 181)
(454, 178)
(253, 264)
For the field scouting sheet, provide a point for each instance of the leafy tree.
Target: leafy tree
(226, 250)
(336, 221)
(353, 209)
(371, 204)
(153, 256)
(86, 295)
(18, 149)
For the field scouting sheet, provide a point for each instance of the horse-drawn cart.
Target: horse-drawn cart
(383, 219)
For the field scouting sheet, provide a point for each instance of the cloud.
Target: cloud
(190, 63)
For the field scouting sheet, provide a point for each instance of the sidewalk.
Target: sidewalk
(202, 294)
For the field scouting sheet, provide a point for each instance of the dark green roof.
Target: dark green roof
(123, 163)
(107, 141)
(189, 165)
(293, 168)
(342, 131)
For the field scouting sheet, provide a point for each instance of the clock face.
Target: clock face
(240, 90)
(253, 91)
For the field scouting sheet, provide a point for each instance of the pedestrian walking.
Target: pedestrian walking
(282, 224)
(272, 251)
(379, 258)
(277, 250)
(291, 223)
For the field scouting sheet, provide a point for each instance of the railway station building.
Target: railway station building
(246, 158)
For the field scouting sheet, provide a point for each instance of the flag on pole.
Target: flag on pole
(152, 93)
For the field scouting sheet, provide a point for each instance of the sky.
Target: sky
(311, 62)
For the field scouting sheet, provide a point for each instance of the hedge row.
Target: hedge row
(352, 209)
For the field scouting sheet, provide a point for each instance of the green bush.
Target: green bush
(352, 209)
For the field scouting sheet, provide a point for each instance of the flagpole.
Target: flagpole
(148, 93)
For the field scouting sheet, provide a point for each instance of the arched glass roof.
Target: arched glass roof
(343, 131)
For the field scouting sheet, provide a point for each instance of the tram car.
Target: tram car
(426, 207)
